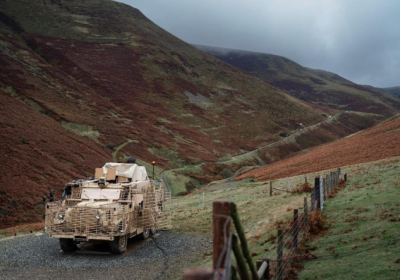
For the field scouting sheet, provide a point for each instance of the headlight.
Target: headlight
(60, 216)
(97, 217)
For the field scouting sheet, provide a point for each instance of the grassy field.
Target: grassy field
(364, 214)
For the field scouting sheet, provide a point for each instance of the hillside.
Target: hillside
(378, 142)
(319, 87)
(393, 90)
(84, 82)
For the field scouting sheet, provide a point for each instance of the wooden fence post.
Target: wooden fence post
(243, 241)
(321, 193)
(326, 188)
(305, 178)
(312, 202)
(263, 269)
(305, 211)
(221, 233)
(334, 179)
(270, 188)
(258, 264)
(345, 177)
(317, 194)
(338, 177)
(241, 261)
(327, 185)
(295, 228)
(280, 255)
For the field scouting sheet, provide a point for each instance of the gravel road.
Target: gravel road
(39, 257)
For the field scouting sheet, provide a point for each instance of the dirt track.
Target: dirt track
(39, 257)
(379, 142)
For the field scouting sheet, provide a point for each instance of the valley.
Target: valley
(87, 82)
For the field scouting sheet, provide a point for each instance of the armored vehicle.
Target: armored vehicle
(119, 203)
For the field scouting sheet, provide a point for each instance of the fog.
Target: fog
(359, 40)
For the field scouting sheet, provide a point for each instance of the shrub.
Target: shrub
(110, 146)
(226, 173)
(13, 203)
(4, 211)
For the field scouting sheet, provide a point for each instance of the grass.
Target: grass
(359, 218)
(365, 214)
(177, 182)
(258, 211)
(81, 129)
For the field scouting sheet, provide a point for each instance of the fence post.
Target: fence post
(288, 181)
(234, 273)
(243, 241)
(258, 264)
(241, 262)
(295, 228)
(321, 193)
(270, 188)
(203, 200)
(312, 202)
(317, 194)
(305, 211)
(338, 177)
(327, 185)
(221, 233)
(305, 178)
(345, 177)
(280, 254)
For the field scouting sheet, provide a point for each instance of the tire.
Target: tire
(153, 231)
(118, 245)
(145, 234)
(67, 245)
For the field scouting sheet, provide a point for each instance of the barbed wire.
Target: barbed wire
(224, 252)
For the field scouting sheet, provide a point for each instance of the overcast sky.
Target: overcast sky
(357, 39)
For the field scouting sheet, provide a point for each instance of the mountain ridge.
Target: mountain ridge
(316, 86)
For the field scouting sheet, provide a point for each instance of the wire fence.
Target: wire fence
(294, 234)
(286, 249)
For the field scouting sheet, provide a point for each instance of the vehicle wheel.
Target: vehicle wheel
(67, 245)
(153, 231)
(118, 245)
(145, 234)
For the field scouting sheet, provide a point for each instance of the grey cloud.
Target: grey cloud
(358, 39)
